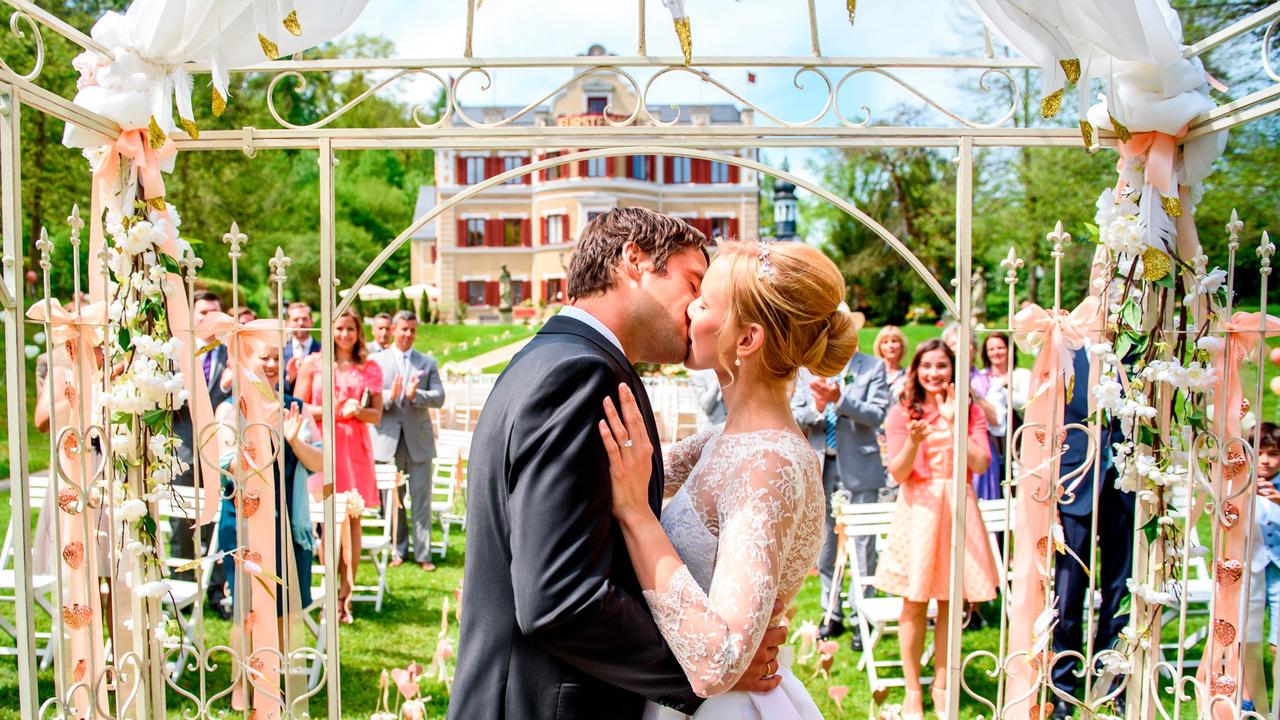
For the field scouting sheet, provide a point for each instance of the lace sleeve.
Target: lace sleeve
(714, 635)
(679, 459)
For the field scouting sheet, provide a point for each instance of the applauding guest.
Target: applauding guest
(410, 388)
(300, 343)
(381, 327)
(357, 393)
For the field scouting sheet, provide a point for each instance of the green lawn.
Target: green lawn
(38, 442)
(454, 343)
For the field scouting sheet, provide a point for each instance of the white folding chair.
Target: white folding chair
(445, 483)
(43, 585)
(378, 539)
(877, 616)
(317, 625)
(184, 595)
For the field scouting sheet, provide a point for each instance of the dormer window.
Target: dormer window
(596, 104)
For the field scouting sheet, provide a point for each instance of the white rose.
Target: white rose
(1210, 344)
(131, 510)
(139, 239)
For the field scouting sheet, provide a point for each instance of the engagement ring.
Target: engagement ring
(627, 443)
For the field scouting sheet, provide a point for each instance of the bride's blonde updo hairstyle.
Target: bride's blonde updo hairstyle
(795, 293)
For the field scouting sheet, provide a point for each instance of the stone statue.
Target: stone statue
(505, 296)
(979, 292)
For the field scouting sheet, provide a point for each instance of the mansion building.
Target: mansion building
(530, 224)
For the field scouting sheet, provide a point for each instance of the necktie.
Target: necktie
(208, 367)
(831, 426)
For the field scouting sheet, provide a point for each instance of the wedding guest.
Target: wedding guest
(916, 561)
(997, 359)
(211, 365)
(302, 456)
(300, 344)
(890, 346)
(381, 328)
(410, 388)
(1264, 566)
(357, 393)
(993, 403)
(1114, 533)
(853, 406)
(243, 314)
(706, 386)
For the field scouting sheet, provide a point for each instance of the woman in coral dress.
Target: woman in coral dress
(357, 392)
(916, 562)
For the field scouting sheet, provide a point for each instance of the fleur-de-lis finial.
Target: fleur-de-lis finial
(1265, 250)
(235, 239)
(279, 266)
(1012, 264)
(190, 264)
(1059, 238)
(1234, 228)
(45, 247)
(76, 224)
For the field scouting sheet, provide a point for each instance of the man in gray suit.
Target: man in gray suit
(849, 411)
(410, 387)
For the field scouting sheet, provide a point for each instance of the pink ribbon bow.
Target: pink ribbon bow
(1058, 337)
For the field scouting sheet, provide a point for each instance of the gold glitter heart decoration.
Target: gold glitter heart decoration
(1086, 132)
(1122, 132)
(1228, 572)
(292, 25)
(189, 126)
(249, 502)
(1224, 633)
(217, 103)
(1155, 264)
(270, 49)
(1051, 104)
(76, 616)
(1171, 205)
(1071, 66)
(685, 33)
(852, 5)
(73, 555)
(1236, 466)
(155, 136)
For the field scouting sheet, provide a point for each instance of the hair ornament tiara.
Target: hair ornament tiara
(766, 267)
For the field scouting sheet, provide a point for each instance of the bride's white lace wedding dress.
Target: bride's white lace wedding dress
(746, 519)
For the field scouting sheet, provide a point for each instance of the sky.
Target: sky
(539, 28)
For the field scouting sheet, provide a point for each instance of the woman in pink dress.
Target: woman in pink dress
(916, 562)
(357, 391)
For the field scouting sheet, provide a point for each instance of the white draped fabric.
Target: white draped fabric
(154, 39)
(1133, 46)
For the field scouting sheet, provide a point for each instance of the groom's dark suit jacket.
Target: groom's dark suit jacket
(554, 624)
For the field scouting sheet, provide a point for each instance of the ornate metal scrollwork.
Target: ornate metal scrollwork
(346, 107)
(14, 20)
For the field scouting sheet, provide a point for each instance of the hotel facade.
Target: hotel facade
(530, 224)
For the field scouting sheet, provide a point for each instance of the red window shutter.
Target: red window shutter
(493, 233)
(461, 170)
(491, 293)
(543, 232)
(435, 252)
(733, 227)
(524, 179)
(492, 166)
(701, 171)
(526, 233)
(733, 174)
(628, 166)
(564, 228)
(462, 233)
(610, 167)
(650, 165)
(542, 290)
(582, 168)
(668, 169)
(462, 291)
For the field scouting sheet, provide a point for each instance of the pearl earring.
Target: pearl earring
(737, 362)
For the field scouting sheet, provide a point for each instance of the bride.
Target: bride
(744, 523)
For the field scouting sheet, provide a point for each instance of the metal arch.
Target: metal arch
(473, 190)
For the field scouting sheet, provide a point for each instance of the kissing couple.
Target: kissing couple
(585, 596)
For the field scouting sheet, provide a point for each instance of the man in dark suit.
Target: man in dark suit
(1115, 533)
(300, 343)
(554, 624)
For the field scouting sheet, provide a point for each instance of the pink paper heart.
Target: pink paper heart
(838, 693)
(404, 682)
(828, 647)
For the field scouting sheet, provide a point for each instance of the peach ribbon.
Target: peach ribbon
(1058, 337)
(76, 336)
(255, 476)
(1159, 150)
(1244, 330)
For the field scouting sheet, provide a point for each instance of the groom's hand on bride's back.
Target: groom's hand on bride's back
(762, 674)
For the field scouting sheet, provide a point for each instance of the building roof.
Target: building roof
(715, 113)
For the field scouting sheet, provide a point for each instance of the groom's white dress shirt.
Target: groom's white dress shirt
(592, 322)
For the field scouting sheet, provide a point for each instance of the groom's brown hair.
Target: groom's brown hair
(600, 246)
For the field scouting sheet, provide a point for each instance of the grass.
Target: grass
(455, 343)
(37, 442)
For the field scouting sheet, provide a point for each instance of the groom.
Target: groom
(554, 624)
